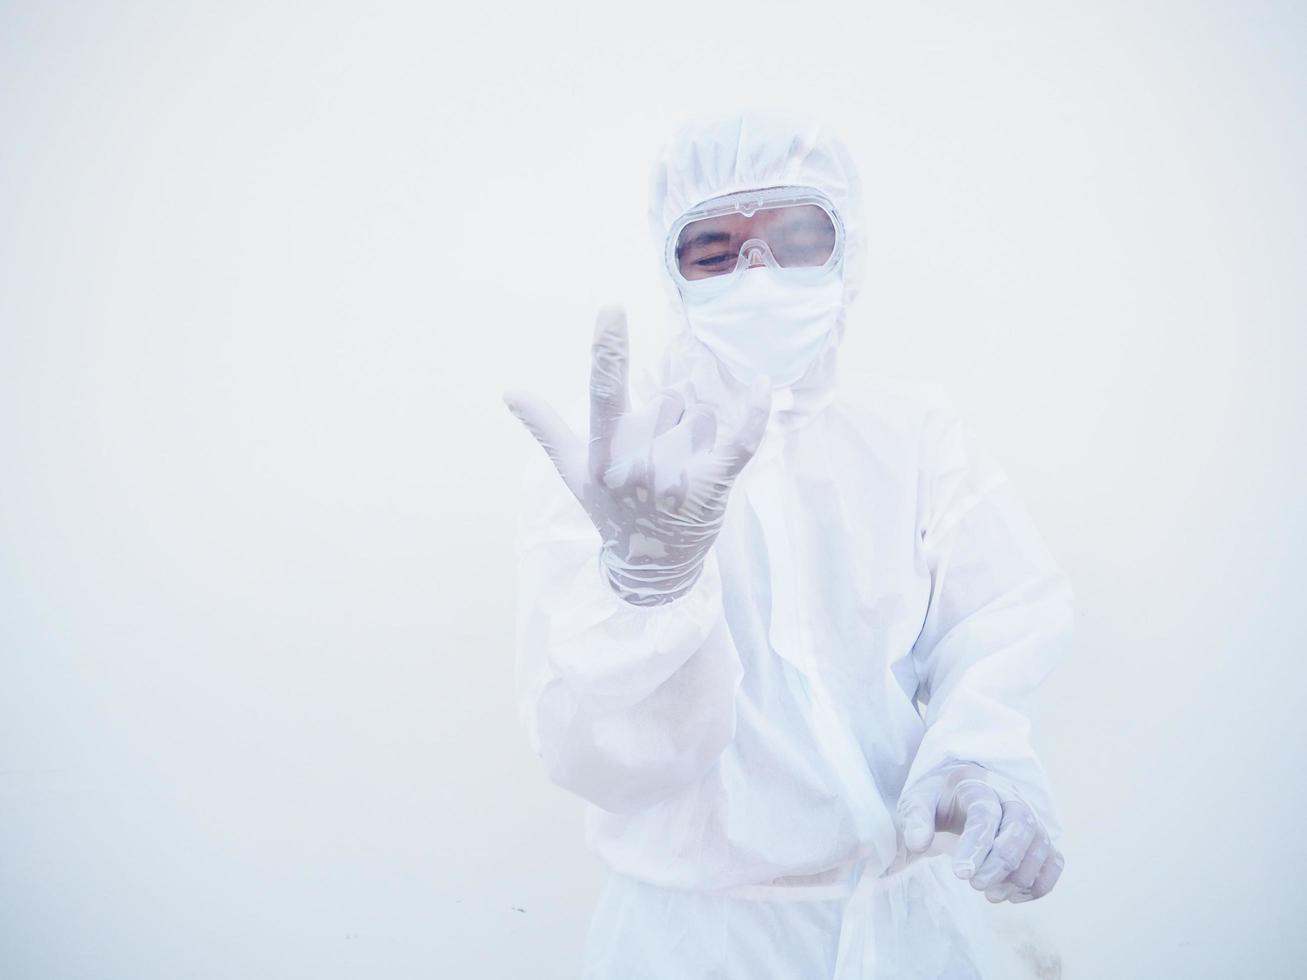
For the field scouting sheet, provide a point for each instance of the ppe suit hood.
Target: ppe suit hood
(748, 151)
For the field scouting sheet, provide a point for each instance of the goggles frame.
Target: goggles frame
(747, 203)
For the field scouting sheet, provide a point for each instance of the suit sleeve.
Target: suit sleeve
(998, 618)
(626, 705)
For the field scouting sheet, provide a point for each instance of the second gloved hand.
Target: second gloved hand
(1003, 847)
(655, 481)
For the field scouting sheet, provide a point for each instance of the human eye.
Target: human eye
(718, 260)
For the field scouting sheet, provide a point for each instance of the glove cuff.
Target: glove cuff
(648, 585)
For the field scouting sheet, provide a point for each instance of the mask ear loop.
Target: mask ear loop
(755, 248)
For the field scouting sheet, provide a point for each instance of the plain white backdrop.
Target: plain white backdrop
(264, 272)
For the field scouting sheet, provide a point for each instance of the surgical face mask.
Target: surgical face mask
(767, 321)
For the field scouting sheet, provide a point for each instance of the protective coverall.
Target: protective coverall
(874, 612)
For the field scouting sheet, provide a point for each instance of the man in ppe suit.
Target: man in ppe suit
(778, 632)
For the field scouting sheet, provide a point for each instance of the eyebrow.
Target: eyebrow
(704, 238)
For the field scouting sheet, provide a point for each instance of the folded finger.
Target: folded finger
(1016, 833)
(978, 833)
(1001, 892)
(702, 424)
(917, 817)
(681, 478)
(1048, 875)
(641, 427)
(1024, 876)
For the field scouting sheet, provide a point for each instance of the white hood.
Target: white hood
(751, 150)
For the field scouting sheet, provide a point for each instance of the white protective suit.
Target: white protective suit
(876, 606)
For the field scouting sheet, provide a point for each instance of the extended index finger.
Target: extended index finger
(608, 384)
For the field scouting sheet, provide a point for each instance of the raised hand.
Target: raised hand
(654, 481)
(1002, 846)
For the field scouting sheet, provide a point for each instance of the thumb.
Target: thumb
(917, 815)
(556, 438)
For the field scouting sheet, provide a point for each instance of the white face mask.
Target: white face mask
(767, 321)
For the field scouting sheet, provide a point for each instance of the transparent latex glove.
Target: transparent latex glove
(1002, 845)
(654, 481)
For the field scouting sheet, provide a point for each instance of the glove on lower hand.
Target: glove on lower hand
(1003, 847)
(654, 482)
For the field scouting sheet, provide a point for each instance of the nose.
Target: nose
(754, 258)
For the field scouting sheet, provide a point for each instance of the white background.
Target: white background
(264, 273)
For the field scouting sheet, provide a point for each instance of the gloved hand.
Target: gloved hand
(1003, 847)
(655, 481)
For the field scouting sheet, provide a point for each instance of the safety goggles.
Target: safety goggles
(793, 228)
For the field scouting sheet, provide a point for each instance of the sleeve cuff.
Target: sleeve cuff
(616, 653)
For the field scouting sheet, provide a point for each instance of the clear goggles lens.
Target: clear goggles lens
(760, 228)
